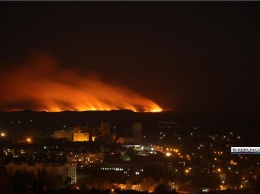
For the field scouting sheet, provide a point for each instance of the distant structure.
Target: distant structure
(63, 134)
(137, 132)
(81, 160)
(78, 135)
(134, 139)
(105, 128)
(128, 142)
(63, 171)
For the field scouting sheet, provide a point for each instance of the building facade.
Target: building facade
(63, 171)
(63, 134)
(79, 136)
(105, 128)
(84, 160)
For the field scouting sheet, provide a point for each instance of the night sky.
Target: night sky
(185, 56)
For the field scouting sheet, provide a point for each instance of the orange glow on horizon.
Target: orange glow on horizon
(41, 85)
(156, 110)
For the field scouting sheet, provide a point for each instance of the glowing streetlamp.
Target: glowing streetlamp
(29, 140)
(168, 154)
(2, 134)
(187, 171)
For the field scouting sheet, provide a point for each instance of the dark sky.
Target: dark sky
(189, 56)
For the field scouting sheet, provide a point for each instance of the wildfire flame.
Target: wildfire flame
(42, 85)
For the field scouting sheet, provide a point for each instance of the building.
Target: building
(135, 138)
(128, 142)
(105, 128)
(79, 136)
(63, 134)
(137, 130)
(63, 171)
(84, 160)
(127, 169)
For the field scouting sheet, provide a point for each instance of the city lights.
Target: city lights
(130, 98)
(168, 154)
(179, 158)
(187, 171)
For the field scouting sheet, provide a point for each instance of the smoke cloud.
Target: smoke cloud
(41, 84)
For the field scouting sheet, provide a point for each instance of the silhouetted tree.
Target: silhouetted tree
(162, 189)
(129, 184)
(38, 187)
(67, 182)
(211, 181)
(5, 185)
(233, 180)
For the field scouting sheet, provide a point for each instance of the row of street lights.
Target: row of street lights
(28, 139)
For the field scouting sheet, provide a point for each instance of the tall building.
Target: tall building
(63, 134)
(137, 132)
(105, 128)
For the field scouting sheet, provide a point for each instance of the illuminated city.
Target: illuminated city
(124, 154)
(129, 97)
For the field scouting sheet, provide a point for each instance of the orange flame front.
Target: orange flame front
(42, 86)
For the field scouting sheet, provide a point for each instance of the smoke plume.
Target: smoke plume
(41, 85)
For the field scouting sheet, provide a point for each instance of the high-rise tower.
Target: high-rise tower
(137, 130)
(105, 128)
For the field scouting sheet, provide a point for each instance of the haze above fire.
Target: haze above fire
(40, 84)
